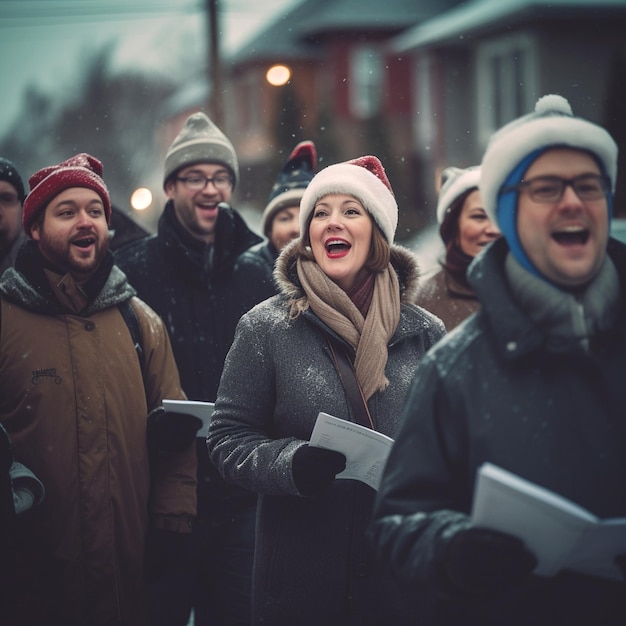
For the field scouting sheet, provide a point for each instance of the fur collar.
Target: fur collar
(403, 261)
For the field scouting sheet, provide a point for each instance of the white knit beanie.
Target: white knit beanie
(551, 125)
(366, 180)
(455, 181)
(200, 141)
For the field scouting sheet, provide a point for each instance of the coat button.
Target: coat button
(89, 326)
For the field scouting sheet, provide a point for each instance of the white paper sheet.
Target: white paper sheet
(366, 450)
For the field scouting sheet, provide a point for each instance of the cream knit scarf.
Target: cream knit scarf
(368, 336)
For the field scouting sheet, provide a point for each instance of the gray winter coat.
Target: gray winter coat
(313, 564)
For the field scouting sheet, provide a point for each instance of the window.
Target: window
(506, 82)
(366, 81)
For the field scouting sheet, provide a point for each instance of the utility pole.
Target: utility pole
(214, 67)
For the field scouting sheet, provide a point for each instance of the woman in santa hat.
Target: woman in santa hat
(345, 300)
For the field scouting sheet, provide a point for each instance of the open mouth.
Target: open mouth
(573, 235)
(337, 247)
(85, 242)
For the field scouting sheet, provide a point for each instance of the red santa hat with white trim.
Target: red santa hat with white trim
(366, 180)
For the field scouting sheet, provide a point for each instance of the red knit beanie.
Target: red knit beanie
(81, 170)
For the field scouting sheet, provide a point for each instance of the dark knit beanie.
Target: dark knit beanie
(291, 182)
(200, 141)
(9, 173)
(81, 170)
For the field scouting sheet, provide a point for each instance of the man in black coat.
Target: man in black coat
(198, 274)
(532, 383)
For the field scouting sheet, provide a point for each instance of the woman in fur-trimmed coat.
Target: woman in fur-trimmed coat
(344, 279)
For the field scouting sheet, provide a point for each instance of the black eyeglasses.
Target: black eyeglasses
(198, 183)
(8, 199)
(549, 189)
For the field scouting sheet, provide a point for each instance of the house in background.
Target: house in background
(479, 65)
(348, 92)
(420, 83)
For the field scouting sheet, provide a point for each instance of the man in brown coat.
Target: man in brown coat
(11, 199)
(80, 387)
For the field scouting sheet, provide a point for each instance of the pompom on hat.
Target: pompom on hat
(200, 141)
(365, 179)
(9, 173)
(455, 182)
(291, 182)
(81, 170)
(513, 148)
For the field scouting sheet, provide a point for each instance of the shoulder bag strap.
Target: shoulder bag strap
(345, 369)
(132, 321)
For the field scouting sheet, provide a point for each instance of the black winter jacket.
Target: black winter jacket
(200, 292)
(269, 255)
(493, 390)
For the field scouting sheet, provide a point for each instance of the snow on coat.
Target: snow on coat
(312, 555)
(72, 398)
(496, 390)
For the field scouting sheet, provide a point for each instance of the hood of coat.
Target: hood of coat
(27, 286)
(403, 261)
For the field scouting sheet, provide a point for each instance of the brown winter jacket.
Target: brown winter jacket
(72, 399)
(450, 301)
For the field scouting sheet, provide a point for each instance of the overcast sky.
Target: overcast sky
(43, 41)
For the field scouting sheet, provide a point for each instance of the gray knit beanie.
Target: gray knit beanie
(200, 141)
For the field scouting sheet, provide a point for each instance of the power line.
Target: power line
(42, 12)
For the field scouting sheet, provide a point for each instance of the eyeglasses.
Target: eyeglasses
(198, 183)
(549, 189)
(8, 199)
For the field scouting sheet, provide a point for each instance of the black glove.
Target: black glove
(315, 468)
(166, 551)
(170, 432)
(481, 563)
